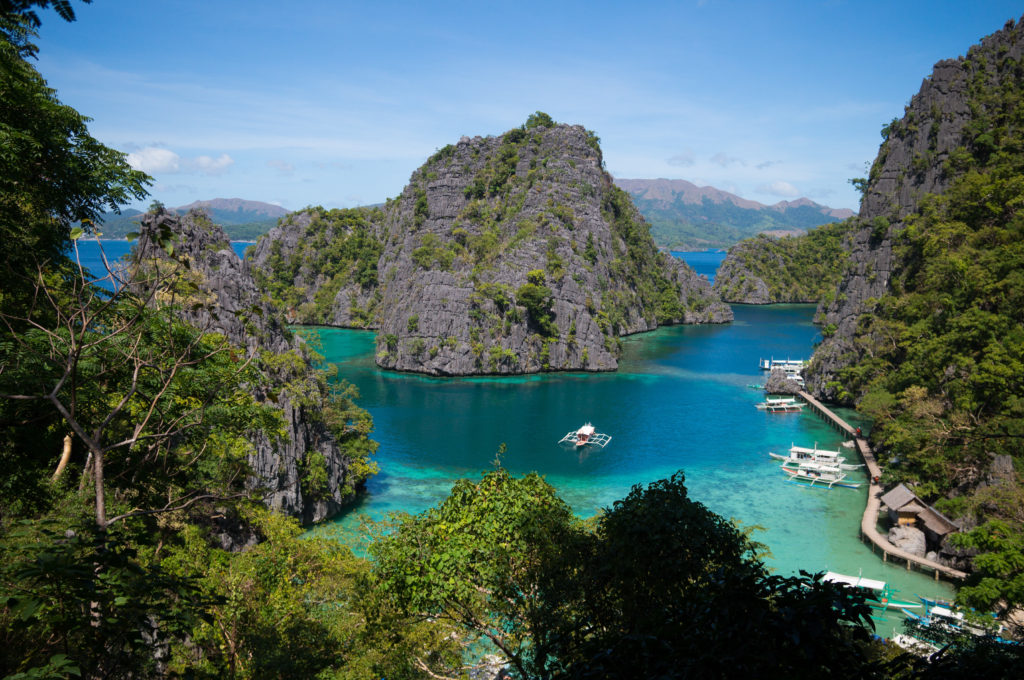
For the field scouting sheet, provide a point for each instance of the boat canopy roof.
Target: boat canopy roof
(586, 429)
(856, 581)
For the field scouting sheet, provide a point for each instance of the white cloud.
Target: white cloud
(213, 166)
(780, 188)
(684, 159)
(155, 159)
(152, 159)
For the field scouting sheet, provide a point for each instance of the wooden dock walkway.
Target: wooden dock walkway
(869, 521)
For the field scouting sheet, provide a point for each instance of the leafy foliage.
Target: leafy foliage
(793, 269)
(338, 245)
(658, 586)
(469, 562)
(939, 360)
(52, 172)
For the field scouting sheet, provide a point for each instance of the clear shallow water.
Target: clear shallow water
(679, 401)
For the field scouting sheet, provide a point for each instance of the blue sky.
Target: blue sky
(335, 103)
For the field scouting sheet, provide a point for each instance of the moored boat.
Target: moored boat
(780, 404)
(881, 590)
(802, 454)
(822, 477)
(584, 436)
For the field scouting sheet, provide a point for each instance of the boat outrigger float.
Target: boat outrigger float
(585, 436)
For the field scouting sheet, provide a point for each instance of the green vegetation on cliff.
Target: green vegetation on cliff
(335, 248)
(940, 357)
(804, 268)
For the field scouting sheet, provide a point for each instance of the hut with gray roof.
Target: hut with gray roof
(906, 509)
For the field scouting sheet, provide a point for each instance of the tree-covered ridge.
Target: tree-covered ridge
(938, 359)
(790, 269)
(688, 225)
(312, 254)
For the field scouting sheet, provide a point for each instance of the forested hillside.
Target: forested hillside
(684, 216)
(766, 270)
(929, 331)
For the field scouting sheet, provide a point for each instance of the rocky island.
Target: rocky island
(503, 255)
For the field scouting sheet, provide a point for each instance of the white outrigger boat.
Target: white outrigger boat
(780, 404)
(882, 590)
(586, 436)
(802, 454)
(822, 476)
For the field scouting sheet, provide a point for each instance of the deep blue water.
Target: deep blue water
(92, 252)
(703, 262)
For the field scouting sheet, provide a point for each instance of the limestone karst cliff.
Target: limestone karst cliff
(509, 254)
(949, 128)
(315, 443)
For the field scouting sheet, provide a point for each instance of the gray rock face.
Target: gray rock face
(919, 157)
(749, 288)
(232, 305)
(908, 538)
(507, 255)
(778, 383)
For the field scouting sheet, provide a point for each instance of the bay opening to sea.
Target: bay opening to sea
(681, 400)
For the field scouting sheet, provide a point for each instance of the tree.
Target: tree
(52, 172)
(538, 119)
(665, 588)
(471, 561)
(658, 586)
(133, 381)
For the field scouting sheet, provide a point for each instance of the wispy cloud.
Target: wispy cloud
(213, 166)
(283, 167)
(780, 188)
(684, 159)
(725, 160)
(154, 160)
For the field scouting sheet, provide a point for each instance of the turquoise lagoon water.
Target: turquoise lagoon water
(680, 401)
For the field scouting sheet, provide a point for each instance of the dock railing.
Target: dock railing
(869, 521)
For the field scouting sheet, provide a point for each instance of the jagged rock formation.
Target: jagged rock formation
(229, 302)
(937, 139)
(779, 383)
(511, 254)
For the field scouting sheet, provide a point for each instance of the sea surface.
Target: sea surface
(681, 400)
(95, 255)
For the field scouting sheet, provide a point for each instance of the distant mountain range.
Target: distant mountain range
(242, 220)
(682, 215)
(688, 217)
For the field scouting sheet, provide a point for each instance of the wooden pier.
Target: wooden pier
(869, 521)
